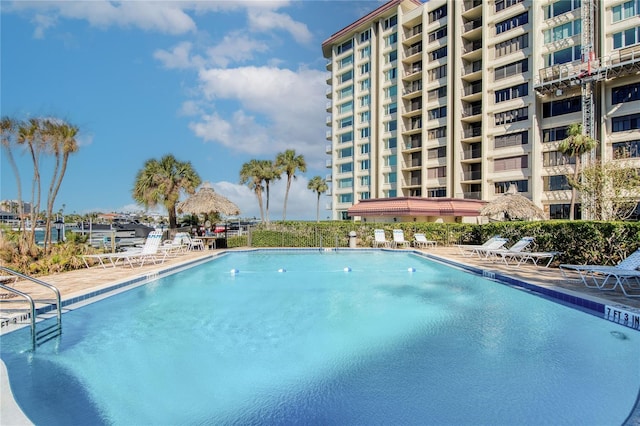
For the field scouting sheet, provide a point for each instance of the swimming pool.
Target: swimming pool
(378, 343)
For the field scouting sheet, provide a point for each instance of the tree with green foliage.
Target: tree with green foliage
(162, 181)
(575, 145)
(289, 163)
(251, 175)
(270, 172)
(319, 186)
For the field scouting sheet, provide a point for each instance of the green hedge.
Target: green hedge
(579, 241)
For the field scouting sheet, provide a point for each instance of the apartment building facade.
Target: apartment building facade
(463, 99)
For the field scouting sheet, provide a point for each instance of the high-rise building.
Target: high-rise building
(465, 98)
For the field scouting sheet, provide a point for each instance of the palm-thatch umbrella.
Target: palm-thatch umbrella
(512, 205)
(206, 201)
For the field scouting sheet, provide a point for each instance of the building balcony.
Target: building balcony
(472, 25)
(468, 5)
(328, 164)
(412, 51)
(328, 178)
(471, 175)
(328, 134)
(470, 111)
(472, 195)
(471, 154)
(472, 132)
(327, 149)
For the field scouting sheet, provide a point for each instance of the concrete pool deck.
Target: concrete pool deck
(77, 284)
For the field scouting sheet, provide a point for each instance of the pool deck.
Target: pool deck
(76, 285)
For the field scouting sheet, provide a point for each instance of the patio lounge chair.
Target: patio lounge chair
(192, 243)
(420, 240)
(623, 273)
(534, 256)
(153, 239)
(493, 243)
(380, 239)
(507, 253)
(398, 238)
(150, 251)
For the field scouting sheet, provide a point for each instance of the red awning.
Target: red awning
(414, 206)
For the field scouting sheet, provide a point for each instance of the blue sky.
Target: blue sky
(216, 83)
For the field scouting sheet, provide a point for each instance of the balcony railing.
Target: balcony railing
(328, 163)
(472, 132)
(472, 89)
(470, 4)
(472, 110)
(413, 51)
(470, 154)
(472, 67)
(472, 25)
(413, 145)
(327, 149)
(328, 178)
(472, 175)
(471, 195)
(414, 181)
(471, 46)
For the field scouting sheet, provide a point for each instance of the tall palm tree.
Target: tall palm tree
(319, 186)
(251, 175)
(61, 138)
(161, 182)
(269, 172)
(575, 145)
(30, 136)
(289, 162)
(9, 128)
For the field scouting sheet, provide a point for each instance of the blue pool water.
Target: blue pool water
(318, 345)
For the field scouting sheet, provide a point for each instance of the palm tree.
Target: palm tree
(251, 175)
(161, 182)
(269, 172)
(289, 162)
(29, 135)
(62, 142)
(319, 186)
(9, 129)
(575, 145)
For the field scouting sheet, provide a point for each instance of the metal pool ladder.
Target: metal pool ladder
(47, 333)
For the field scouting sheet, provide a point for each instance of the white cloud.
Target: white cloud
(267, 20)
(281, 109)
(234, 47)
(179, 57)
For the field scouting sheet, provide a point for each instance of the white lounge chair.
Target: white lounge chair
(420, 240)
(623, 273)
(509, 253)
(380, 239)
(193, 243)
(398, 239)
(150, 251)
(176, 246)
(492, 243)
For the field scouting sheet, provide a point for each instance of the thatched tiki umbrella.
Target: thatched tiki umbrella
(206, 201)
(512, 205)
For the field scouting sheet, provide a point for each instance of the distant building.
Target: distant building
(13, 206)
(461, 99)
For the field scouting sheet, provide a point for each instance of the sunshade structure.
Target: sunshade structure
(206, 201)
(512, 205)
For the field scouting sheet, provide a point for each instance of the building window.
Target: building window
(626, 38)
(347, 45)
(345, 183)
(365, 84)
(625, 10)
(365, 101)
(390, 126)
(390, 160)
(438, 13)
(438, 34)
(364, 68)
(390, 22)
(365, 52)
(511, 163)
(345, 107)
(561, 211)
(391, 56)
(437, 73)
(512, 45)
(515, 68)
(345, 168)
(555, 183)
(439, 152)
(438, 132)
(391, 39)
(365, 35)
(365, 195)
(556, 158)
(345, 152)
(345, 198)
(346, 61)
(563, 56)
(437, 112)
(436, 172)
(560, 7)
(511, 139)
(503, 4)
(391, 108)
(438, 93)
(364, 165)
(365, 148)
(512, 116)
(503, 187)
(347, 76)
(391, 74)
(346, 122)
(440, 53)
(364, 133)
(364, 180)
(346, 92)
(628, 149)
(563, 31)
(345, 137)
(625, 123)
(390, 177)
(554, 134)
(437, 192)
(561, 107)
(390, 143)
(513, 22)
(627, 93)
(365, 117)
(513, 92)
